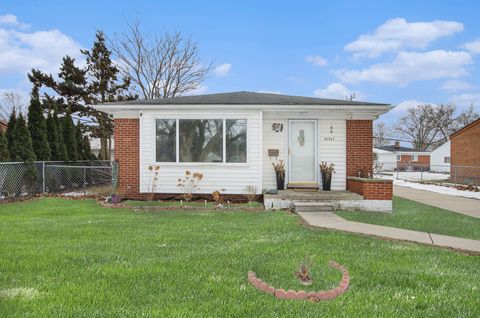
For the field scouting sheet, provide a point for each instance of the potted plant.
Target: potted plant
(327, 171)
(279, 168)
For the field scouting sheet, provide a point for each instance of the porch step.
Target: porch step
(303, 186)
(313, 206)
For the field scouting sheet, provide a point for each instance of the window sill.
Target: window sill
(203, 164)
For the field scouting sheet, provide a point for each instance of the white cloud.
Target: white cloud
(22, 51)
(466, 99)
(222, 70)
(316, 60)
(337, 91)
(201, 89)
(12, 21)
(411, 66)
(397, 34)
(472, 47)
(405, 105)
(269, 92)
(456, 85)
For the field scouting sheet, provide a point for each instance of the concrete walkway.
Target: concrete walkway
(467, 206)
(332, 221)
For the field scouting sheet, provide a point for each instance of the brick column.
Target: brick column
(359, 146)
(127, 152)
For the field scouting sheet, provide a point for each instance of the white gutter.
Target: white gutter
(112, 108)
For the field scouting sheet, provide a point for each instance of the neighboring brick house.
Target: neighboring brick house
(404, 158)
(233, 139)
(465, 154)
(3, 125)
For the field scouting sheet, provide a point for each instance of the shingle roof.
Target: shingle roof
(245, 98)
(393, 149)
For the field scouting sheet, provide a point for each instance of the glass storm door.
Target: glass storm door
(302, 151)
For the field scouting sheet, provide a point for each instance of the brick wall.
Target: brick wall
(422, 159)
(359, 146)
(465, 151)
(371, 189)
(127, 150)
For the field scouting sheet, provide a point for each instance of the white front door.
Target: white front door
(302, 146)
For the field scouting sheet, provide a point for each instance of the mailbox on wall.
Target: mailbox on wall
(273, 153)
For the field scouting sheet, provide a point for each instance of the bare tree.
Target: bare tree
(443, 117)
(159, 67)
(380, 134)
(11, 101)
(448, 120)
(417, 127)
(427, 126)
(466, 117)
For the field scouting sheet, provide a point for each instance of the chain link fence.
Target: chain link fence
(19, 179)
(453, 174)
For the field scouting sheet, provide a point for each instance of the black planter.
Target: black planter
(280, 183)
(326, 181)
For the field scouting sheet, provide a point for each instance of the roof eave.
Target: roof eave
(378, 109)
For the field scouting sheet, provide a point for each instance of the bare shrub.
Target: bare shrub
(250, 193)
(189, 184)
(154, 181)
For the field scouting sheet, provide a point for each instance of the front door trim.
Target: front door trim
(315, 122)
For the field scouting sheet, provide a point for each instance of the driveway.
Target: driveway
(467, 206)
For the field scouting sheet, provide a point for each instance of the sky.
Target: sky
(400, 52)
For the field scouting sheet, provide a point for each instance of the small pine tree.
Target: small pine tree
(53, 142)
(63, 155)
(87, 150)
(37, 127)
(23, 141)
(69, 137)
(79, 140)
(4, 154)
(10, 134)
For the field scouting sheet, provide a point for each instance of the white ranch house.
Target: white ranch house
(233, 139)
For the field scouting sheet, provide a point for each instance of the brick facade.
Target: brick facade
(465, 154)
(371, 189)
(422, 159)
(359, 146)
(359, 152)
(127, 153)
(360, 157)
(406, 161)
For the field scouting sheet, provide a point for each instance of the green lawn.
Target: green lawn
(417, 216)
(80, 260)
(177, 203)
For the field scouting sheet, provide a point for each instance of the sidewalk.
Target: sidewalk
(470, 207)
(332, 221)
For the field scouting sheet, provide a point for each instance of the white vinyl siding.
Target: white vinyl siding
(334, 151)
(273, 140)
(331, 146)
(233, 177)
(440, 158)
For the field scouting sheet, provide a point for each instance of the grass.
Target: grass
(64, 258)
(177, 203)
(412, 215)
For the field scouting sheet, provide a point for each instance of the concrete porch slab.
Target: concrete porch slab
(338, 200)
(314, 195)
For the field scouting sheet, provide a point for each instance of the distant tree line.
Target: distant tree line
(425, 127)
(43, 138)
